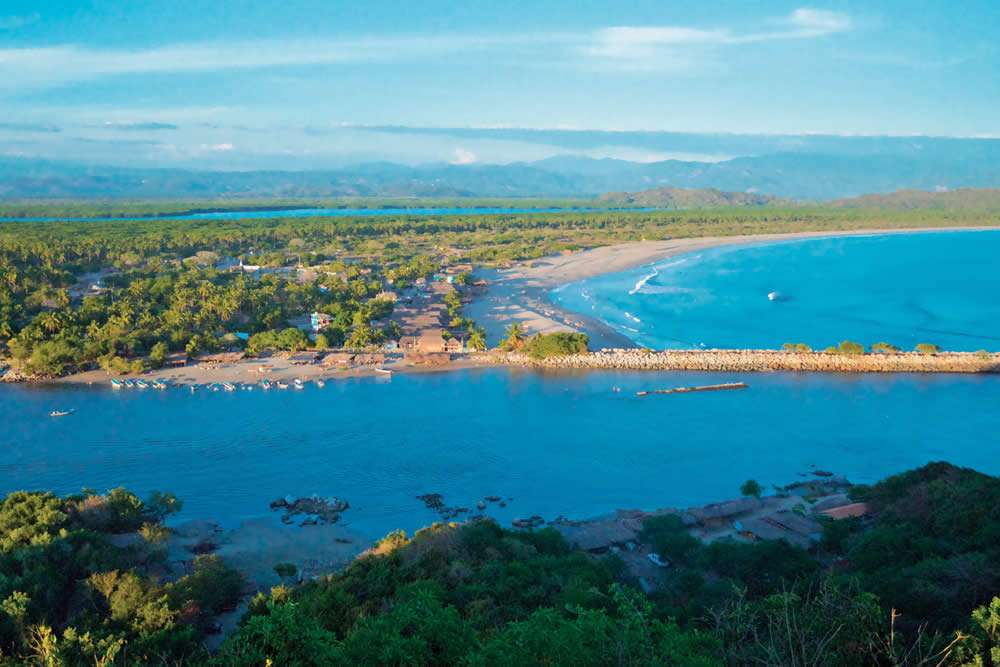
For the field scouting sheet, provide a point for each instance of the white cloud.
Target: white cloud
(218, 148)
(819, 21)
(463, 156)
(630, 47)
(678, 47)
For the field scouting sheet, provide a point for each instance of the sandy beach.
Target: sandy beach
(521, 294)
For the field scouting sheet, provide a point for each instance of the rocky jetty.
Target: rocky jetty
(314, 509)
(763, 360)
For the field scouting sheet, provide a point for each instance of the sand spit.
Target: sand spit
(763, 360)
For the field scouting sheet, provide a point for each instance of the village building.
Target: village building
(319, 321)
(176, 360)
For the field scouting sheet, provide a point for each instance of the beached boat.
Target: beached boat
(282, 385)
(128, 383)
(60, 413)
(265, 384)
(159, 385)
(383, 371)
(194, 388)
(142, 384)
(228, 386)
(298, 383)
(116, 383)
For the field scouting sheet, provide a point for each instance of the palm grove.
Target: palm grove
(165, 284)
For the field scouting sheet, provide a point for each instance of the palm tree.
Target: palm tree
(515, 336)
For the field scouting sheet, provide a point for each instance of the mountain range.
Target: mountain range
(790, 175)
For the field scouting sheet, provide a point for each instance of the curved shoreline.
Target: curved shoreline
(522, 293)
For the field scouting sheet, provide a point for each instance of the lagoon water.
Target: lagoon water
(556, 443)
(936, 287)
(323, 213)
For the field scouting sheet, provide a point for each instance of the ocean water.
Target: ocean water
(558, 444)
(904, 289)
(324, 213)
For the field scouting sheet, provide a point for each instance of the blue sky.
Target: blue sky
(221, 84)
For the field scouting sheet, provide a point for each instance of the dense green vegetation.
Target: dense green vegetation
(72, 593)
(82, 581)
(173, 282)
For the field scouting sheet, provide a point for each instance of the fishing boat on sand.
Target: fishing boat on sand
(116, 383)
(383, 371)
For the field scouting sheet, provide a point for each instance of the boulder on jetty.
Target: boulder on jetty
(317, 510)
(762, 360)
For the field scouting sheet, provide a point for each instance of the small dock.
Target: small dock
(688, 390)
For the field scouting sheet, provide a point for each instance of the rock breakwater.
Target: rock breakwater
(763, 360)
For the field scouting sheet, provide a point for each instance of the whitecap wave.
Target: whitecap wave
(642, 281)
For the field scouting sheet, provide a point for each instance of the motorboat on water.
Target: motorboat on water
(773, 296)
(60, 413)
(320, 383)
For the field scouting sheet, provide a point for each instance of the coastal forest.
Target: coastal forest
(123, 294)
(84, 580)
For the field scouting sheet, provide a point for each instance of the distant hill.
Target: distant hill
(786, 175)
(967, 198)
(668, 197)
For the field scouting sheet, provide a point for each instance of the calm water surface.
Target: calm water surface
(324, 213)
(936, 287)
(558, 444)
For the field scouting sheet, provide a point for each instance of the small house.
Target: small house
(319, 321)
(176, 360)
(454, 345)
(304, 358)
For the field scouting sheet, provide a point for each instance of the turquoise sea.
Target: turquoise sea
(904, 289)
(567, 443)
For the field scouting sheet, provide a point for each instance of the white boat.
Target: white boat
(116, 383)
(60, 413)
(141, 384)
(384, 371)
(128, 383)
(298, 384)
(282, 385)
(265, 384)
(228, 387)
(773, 296)
(320, 383)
